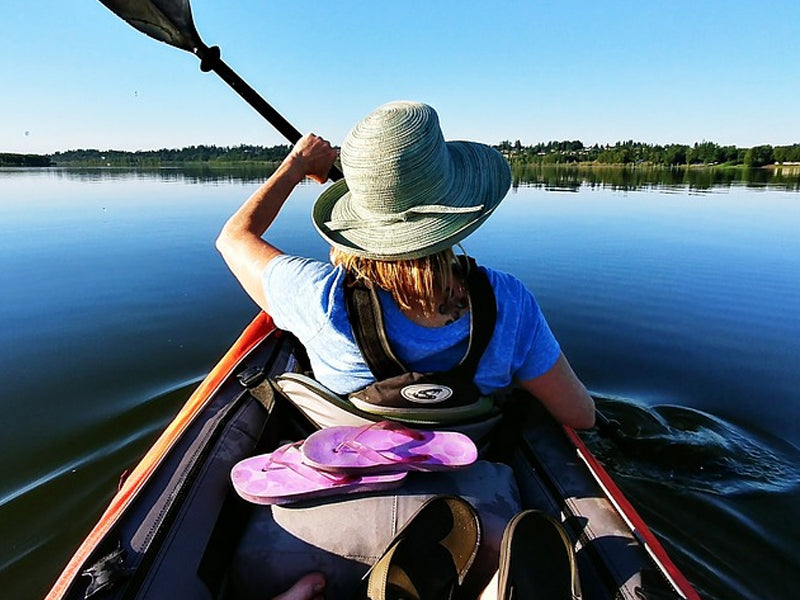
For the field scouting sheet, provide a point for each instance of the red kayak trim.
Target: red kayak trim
(633, 520)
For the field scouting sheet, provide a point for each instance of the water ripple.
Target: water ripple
(59, 501)
(681, 447)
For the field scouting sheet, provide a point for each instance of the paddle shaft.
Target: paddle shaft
(210, 61)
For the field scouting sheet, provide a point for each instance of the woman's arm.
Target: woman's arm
(563, 395)
(240, 242)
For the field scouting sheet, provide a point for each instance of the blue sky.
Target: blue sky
(73, 75)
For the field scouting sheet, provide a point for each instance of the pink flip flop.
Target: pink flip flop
(282, 478)
(386, 447)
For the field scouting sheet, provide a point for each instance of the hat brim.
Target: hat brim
(479, 176)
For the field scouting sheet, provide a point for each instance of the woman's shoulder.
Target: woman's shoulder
(505, 284)
(517, 307)
(287, 265)
(301, 292)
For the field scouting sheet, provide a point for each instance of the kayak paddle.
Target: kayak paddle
(171, 22)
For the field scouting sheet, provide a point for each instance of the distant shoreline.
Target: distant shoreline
(564, 153)
(551, 176)
(791, 167)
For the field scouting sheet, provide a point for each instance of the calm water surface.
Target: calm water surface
(677, 302)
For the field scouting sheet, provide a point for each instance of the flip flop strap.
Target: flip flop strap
(301, 468)
(382, 457)
(388, 426)
(353, 443)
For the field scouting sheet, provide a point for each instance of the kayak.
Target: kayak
(173, 528)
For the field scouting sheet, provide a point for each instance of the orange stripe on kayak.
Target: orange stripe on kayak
(255, 332)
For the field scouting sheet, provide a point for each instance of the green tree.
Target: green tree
(758, 156)
(676, 154)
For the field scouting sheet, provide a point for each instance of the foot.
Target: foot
(308, 587)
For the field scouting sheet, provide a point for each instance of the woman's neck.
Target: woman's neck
(452, 305)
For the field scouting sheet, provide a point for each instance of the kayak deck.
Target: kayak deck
(178, 531)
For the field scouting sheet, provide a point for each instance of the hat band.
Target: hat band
(406, 215)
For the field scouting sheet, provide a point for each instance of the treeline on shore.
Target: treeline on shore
(564, 152)
(8, 159)
(223, 155)
(630, 152)
(168, 157)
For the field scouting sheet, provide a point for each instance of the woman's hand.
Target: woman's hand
(240, 241)
(312, 156)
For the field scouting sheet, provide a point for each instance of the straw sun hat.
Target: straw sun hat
(407, 193)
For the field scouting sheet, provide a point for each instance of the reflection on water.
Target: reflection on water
(550, 177)
(200, 173)
(626, 178)
(113, 292)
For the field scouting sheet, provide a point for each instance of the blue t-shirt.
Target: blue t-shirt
(306, 297)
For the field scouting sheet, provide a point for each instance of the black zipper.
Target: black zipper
(171, 508)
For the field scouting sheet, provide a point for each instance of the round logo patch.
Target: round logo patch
(426, 393)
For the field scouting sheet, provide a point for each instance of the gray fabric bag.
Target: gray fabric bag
(342, 538)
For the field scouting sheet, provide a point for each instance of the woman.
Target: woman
(407, 198)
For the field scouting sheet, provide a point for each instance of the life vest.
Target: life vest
(398, 392)
(443, 400)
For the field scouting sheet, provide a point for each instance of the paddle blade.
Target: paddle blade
(168, 21)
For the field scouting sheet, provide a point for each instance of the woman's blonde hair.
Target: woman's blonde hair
(415, 283)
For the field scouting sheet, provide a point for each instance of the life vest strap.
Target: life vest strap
(366, 320)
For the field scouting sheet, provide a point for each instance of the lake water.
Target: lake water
(677, 302)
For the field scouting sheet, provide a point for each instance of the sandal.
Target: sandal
(387, 447)
(430, 556)
(537, 560)
(281, 477)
